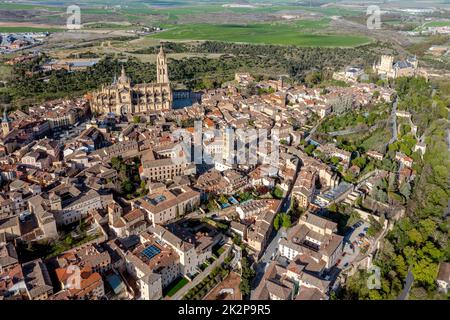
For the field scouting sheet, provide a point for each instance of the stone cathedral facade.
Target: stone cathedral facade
(122, 98)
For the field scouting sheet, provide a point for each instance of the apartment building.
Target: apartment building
(69, 204)
(165, 204)
(160, 169)
(305, 186)
(290, 282)
(314, 239)
(37, 280)
(153, 264)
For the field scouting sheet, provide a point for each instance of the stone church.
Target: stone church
(122, 98)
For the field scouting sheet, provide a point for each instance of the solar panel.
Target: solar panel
(151, 251)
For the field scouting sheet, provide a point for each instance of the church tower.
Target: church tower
(162, 74)
(6, 124)
(123, 79)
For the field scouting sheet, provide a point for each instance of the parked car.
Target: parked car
(358, 224)
(346, 265)
(337, 262)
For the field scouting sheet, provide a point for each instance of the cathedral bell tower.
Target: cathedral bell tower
(162, 74)
(6, 123)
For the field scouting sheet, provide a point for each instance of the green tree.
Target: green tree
(276, 222)
(405, 189)
(286, 221)
(136, 119)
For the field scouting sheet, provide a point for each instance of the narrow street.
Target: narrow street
(272, 248)
(394, 122)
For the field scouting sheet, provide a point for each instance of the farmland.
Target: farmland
(277, 33)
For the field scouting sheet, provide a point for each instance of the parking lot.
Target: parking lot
(354, 242)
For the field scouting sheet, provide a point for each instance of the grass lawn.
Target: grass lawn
(277, 33)
(176, 285)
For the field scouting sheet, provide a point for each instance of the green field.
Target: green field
(279, 33)
(437, 24)
(28, 29)
(18, 6)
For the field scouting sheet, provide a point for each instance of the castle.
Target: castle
(122, 98)
(403, 68)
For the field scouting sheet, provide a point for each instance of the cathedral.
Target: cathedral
(122, 98)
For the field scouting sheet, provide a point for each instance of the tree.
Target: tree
(278, 193)
(425, 272)
(309, 149)
(286, 221)
(276, 222)
(334, 160)
(414, 236)
(136, 119)
(405, 189)
(313, 78)
(244, 286)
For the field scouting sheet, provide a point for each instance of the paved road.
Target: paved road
(266, 258)
(351, 254)
(409, 280)
(347, 131)
(448, 138)
(311, 132)
(180, 293)
(272, 249)
(394, 122)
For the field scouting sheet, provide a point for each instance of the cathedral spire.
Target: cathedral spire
(123, 79)
(162, 74)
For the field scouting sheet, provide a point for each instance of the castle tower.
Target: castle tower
(162, 74)
(386, 63)
(6, 123)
